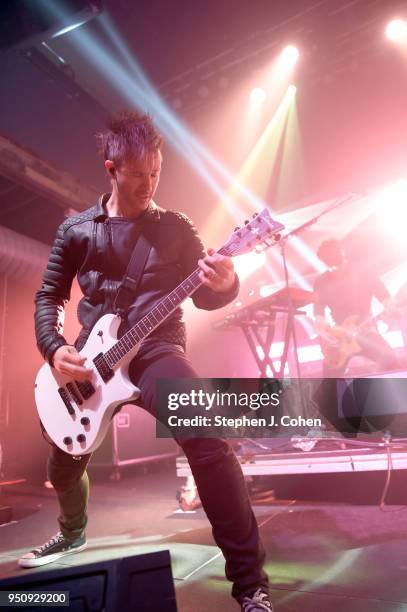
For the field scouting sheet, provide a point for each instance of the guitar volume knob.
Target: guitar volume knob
(67, 441)
(85, 421)
(81, 438)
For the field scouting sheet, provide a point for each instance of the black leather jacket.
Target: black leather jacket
(82, 248)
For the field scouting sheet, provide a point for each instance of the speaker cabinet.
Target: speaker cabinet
(140, 582)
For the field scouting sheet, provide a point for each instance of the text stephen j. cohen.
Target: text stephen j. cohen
(240, 401)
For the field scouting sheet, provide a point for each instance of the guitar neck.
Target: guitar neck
(258, 233)
(154, 318)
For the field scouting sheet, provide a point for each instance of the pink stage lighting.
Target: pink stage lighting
(245, 265)
(289, 56)
(396, 30)
(392, 201)
(257, 96)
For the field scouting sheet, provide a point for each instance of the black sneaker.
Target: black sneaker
(258, 602)
(56, 547)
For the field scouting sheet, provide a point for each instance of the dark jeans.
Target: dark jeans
(216, 470)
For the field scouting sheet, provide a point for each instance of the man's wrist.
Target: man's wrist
(231, 287)
(50, 354)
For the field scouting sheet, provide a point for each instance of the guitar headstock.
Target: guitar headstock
(258, 234)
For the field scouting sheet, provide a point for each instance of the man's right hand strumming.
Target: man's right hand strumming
(68, 361)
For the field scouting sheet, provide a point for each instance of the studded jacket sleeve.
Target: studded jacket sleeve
(51, 298)
(67, 259)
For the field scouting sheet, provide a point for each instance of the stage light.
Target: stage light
(391, 207)
(260, 352)
(266, 290)
(246, 264)
(310, 353)
(25, 24)
(256, 171)
(289, 56)
(276, 350)
(382, 327)
(69, 28)
(309, 254)
(393, 202)
(396, 30)
(128, 78)
(257, 96)
(394, 338)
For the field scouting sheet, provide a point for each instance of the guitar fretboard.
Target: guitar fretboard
(155, 317)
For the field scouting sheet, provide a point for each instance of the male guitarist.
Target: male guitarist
(96, 246)
(347, 289)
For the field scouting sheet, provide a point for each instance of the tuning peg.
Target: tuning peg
(236, 229)
(255, 215)
(246, 222)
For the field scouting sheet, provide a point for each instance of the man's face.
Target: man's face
(137, 180)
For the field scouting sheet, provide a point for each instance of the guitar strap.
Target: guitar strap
(131, 279)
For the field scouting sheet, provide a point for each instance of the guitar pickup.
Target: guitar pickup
(66, 399)
(74, 393)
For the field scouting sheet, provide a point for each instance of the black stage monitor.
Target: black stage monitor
(139, 582)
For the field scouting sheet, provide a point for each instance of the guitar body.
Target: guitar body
(90, 417)
(77, 415)
(340, 343)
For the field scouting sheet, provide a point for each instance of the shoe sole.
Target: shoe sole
(37, 562)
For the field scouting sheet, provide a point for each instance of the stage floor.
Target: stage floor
(320, 556)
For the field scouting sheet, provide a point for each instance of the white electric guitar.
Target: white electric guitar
(76, 414)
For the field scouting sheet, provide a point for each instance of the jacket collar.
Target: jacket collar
(151, 214)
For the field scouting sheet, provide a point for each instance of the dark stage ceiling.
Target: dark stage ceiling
(352, 85)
